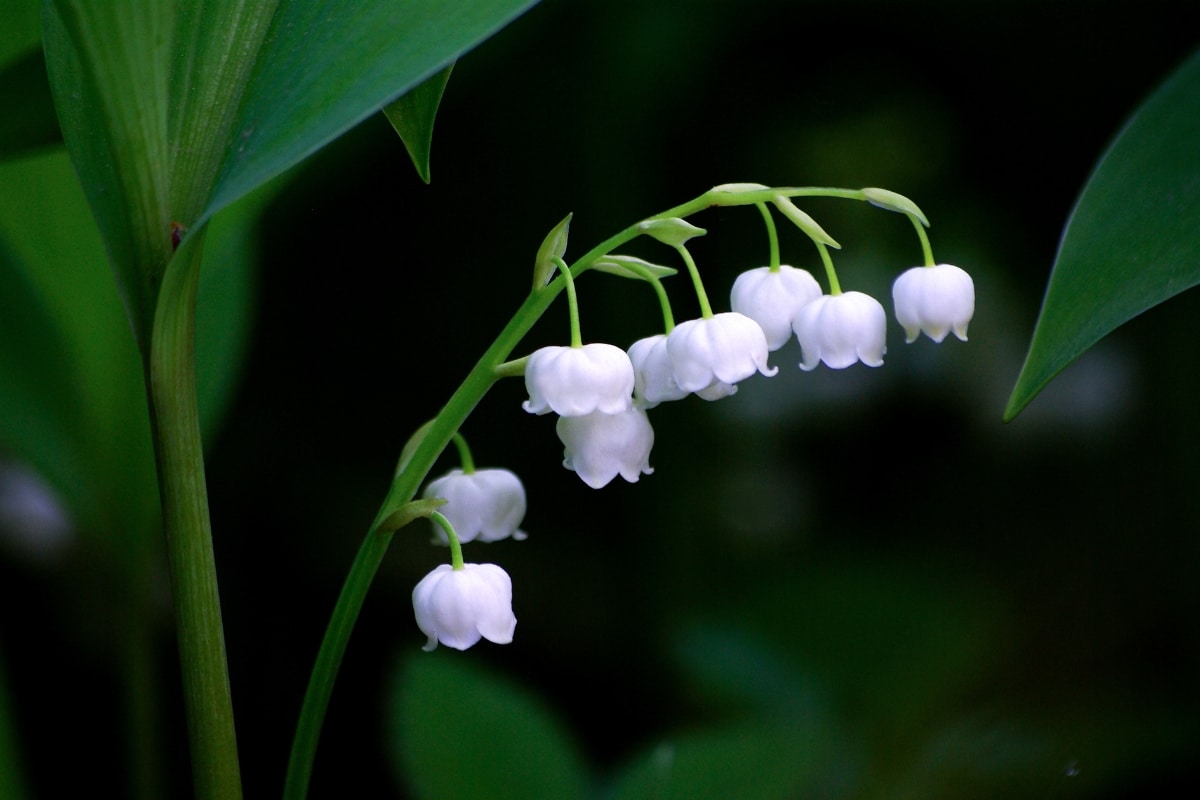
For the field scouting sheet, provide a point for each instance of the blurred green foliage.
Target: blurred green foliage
(850, 585)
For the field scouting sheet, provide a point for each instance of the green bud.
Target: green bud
(671, 231)
(894, 202)
(632, 267)
(738, 188)
(554, 245)
(731, 194)
(803, 221)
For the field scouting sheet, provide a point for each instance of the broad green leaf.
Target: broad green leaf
(27, 120)
(173, 111)
(1132, 240)
(412, 116)
(72, 402)
(21, 31)
(325, 67)
(749, 761)
(107, 65)
(39, 407)
(458, 732)
(81, 417)
(552, 247)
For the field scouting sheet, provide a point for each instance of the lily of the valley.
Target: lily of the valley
(653, 377)
(574, 381)
(936, 300)
(842, 329)
(458, 607)
(710, 355)
(773, 298)
(598, 447)
(487, 504)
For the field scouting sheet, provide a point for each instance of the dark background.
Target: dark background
(977, 609)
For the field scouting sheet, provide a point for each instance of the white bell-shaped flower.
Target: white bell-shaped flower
(722, 349)
(772, 299)
(487, 504)
(653, 377)
(574, 381)
(842, 329)
(935, 300)
(457, 607)
(599, 447)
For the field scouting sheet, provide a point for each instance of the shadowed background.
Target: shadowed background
(911, 598)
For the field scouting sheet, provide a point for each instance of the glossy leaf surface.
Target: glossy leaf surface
(412, 115)
(1132, 240)
(460, 732)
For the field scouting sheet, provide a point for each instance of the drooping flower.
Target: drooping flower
(772, 299)
(722, 349)
(653, 377)
(842, 329)
(457, 607)
(487, 504)
(573, 381)
(936, 300)
(598, 447)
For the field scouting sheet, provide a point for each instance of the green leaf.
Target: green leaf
(73, 395)
(552, 247)
(460, 732)
(1132, 240)
(28, 122)
(325, 67)
(172, 112)
(749, 761)
(107, 65)
(412, 116)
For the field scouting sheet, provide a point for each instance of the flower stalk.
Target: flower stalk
(439, 433)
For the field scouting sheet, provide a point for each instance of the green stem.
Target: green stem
(179, 455)
(572, 302)
(456, 557)
(705, 309)
(664, 302)
(370, 555)
(924, 237)
(772, 235)
(464, 454)
(835, 288)
(490, 367)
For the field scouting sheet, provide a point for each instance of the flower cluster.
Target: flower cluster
(602, 393)
(457, 604)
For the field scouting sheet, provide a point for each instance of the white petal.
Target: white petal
(653, 378)
(599, 447)
(457, 607)
(936, 300)
(727, 347)
(841, 330)
(573, 381)
(488, 504)
(772, 299)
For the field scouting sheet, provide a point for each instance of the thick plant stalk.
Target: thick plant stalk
(171, 383)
